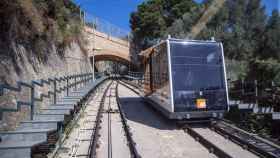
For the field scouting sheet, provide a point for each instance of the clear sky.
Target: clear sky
(118, 11)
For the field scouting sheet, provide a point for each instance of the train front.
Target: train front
(198, 79)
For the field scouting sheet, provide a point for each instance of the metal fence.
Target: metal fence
(263, 94)
(104, 26)
(56, 87)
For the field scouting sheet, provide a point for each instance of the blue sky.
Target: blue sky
(118, 11)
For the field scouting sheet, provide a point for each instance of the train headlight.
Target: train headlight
(201, 103)
(221, 115)
(214, 114)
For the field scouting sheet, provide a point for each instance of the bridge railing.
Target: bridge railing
(104, 26)
(54, 88)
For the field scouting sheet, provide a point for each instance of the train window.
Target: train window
(160, 76)
(197, 67)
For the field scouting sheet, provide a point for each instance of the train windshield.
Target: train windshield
(197, 72)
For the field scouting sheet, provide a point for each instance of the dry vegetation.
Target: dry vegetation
(37, 25)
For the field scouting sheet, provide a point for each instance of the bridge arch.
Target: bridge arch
(104, 55)
(106, 47)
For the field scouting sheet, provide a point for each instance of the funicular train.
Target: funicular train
(186, 79)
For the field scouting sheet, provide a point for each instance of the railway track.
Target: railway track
(115, 139)
(259, 146)
(96, 134)
(227, 141)
(121, 118)
(221, 146)
(155, 136)
(132, 144)
(84, 133)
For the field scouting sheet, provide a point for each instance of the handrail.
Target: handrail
(56, 81)
(260, 93)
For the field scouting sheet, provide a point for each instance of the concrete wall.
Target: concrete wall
(106, 45)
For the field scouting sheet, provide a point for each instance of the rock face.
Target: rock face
(38, 40)
(75, 61)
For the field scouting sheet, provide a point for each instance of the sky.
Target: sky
(118, 12)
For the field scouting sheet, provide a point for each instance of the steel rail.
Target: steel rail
(247, 140)
(206, 143)
(110, 144)
(131, 142)
(236, 135)
(126, 82)
(96, 135)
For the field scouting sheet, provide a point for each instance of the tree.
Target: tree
(271, 44)
(241, 25)
(153, 17)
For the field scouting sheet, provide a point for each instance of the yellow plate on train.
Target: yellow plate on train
(201, 103)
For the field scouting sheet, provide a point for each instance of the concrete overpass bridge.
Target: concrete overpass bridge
(105, 47)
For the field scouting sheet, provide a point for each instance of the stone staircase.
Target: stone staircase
(36, 138)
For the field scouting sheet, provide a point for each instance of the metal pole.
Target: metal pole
(93, 71)
(242, 84)
(67, 86)
(75, 82)
(84, 18)
(256, 91)
(81, 16)
(93, 75)
(32, 102)
(272, 91)
(54, 91)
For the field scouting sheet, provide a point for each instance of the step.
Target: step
(59, 107)
(78, 92)
(25, 135)
(48, 117)
(62, 104)
(19, 144)
(67, 102)
(82, 91)
(69, 99)
(24, 152)
(74, 102)
(54, 112)
(39, 124)
(72, 97)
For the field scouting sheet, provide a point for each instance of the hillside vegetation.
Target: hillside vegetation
(37, 25)
(39, 39)
(248, 34)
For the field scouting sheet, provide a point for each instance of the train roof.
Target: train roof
(147, 52)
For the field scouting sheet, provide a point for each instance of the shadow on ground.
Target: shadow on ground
(137, 110)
